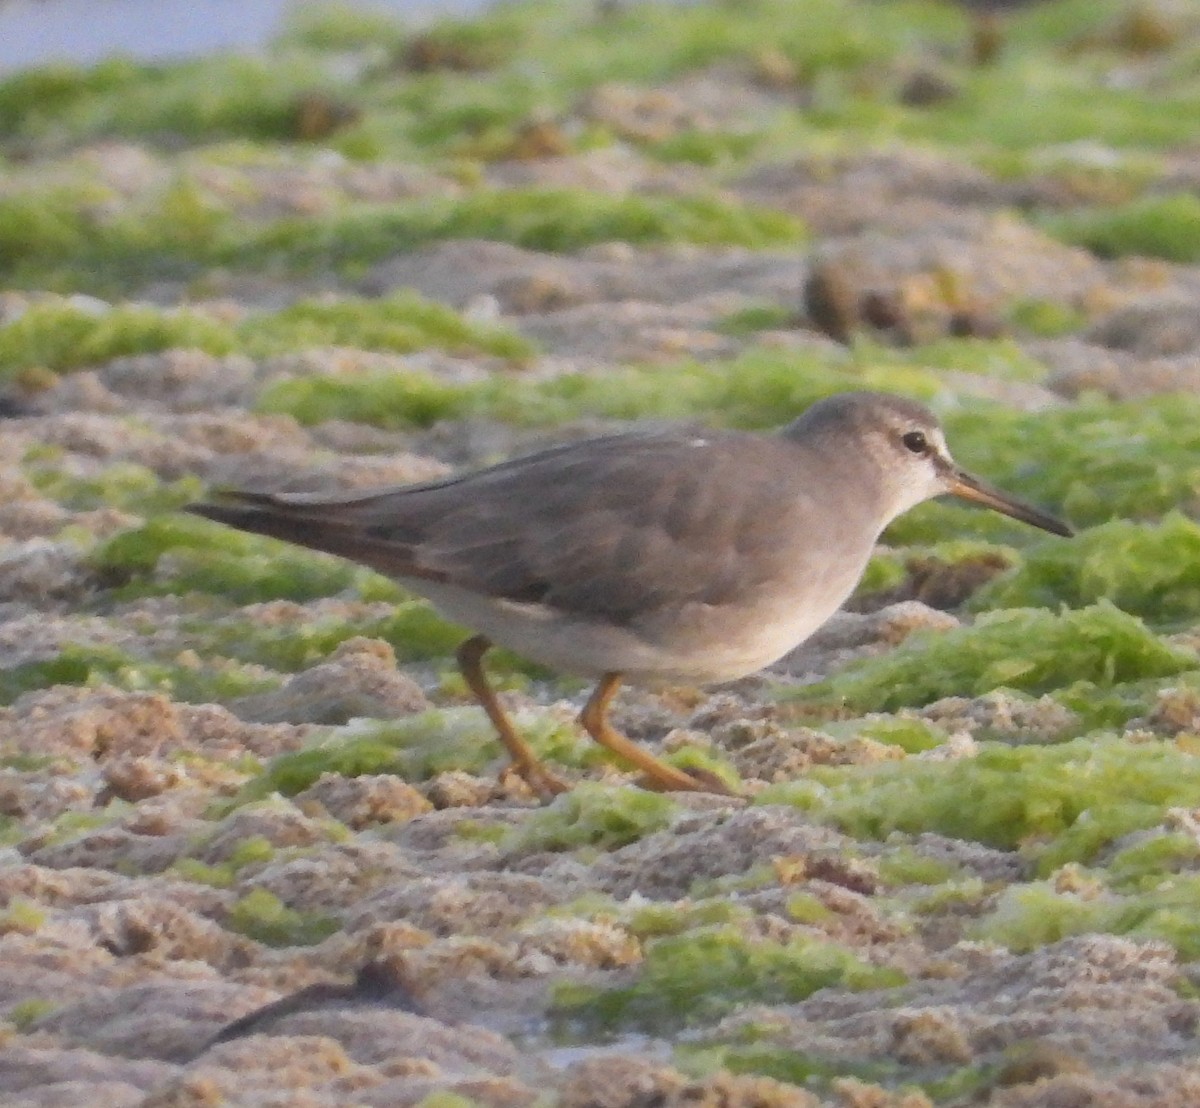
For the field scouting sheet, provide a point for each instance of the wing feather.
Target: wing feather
(612, 527)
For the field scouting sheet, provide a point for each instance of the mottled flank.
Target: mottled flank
(255, 847)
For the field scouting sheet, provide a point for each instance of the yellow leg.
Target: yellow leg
(594, 719)
(524, 761)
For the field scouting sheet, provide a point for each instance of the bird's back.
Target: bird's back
(610, 527)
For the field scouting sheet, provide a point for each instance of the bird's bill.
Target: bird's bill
(967, 487)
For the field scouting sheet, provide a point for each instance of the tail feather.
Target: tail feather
(312, 522)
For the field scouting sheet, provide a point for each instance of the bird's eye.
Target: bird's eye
(916, 442)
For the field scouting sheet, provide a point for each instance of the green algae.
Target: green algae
(698, 977)
(1032, 650)
(544, 54)
(83, 238)
(1038, 102)
(1165, 226)
(818, 1073)
(207, 99)
(796, 1067)
(757, 317)
(20, 914)
(468, 88)
(705, 762)
(178, 554)
(711, 147)
(125, 486)
(906, 866)
(1032, 915)
(1002, 358)
(48, 224)
(186, 678)
(964, 895)
(1046, 318)
(412, 628)
(908, 734)
(219, 876)
(61, 335)
(393, 399)
(401, 323)
(1056, 804)
(809, 909)
(413, 748)
(535, 218)
(28, 763)
(75, 824)
(534, 60)
(339, 27)
(444, 1098)
(1099, 707)
(820, 39)
(886, 571)
(592, 815)
(25, 1013)
(760, 388)
(653, 920)
(255, 850)
(1148, 863)
(1149, 570)
(262, 916)
(465, 87)
(34, 98)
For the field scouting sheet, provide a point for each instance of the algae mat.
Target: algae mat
(242, 786)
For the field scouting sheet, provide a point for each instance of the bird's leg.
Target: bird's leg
(524, 761)
(594, 719)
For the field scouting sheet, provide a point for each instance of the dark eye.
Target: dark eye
(916, 442)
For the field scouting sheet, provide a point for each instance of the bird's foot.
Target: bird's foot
(695, 780)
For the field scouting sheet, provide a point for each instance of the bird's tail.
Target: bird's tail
(303, 520)
(331, 525)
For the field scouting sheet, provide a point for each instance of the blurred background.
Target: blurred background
(33, 32)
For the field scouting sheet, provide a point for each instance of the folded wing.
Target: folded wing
(612, 527)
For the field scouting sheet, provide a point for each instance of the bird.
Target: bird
(654, 555)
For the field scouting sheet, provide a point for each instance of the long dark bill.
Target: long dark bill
(968, 487)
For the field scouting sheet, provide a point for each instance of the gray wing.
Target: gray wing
(611, 527)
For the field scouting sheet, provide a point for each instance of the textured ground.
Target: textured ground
(254, 847)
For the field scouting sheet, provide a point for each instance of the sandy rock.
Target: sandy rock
(360, 678)
(51, 1077)
(616, 1081)
(665, 865)
(1151, 327)
(493, 902)
(362, 801)
(280, 822)
(39, 571)
(594, 945)
(849, 634)
(1003, 715)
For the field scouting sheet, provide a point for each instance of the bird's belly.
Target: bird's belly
(698, 643)
(714, 644)
(559, 640)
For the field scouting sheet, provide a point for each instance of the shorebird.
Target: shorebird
(651, 555)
